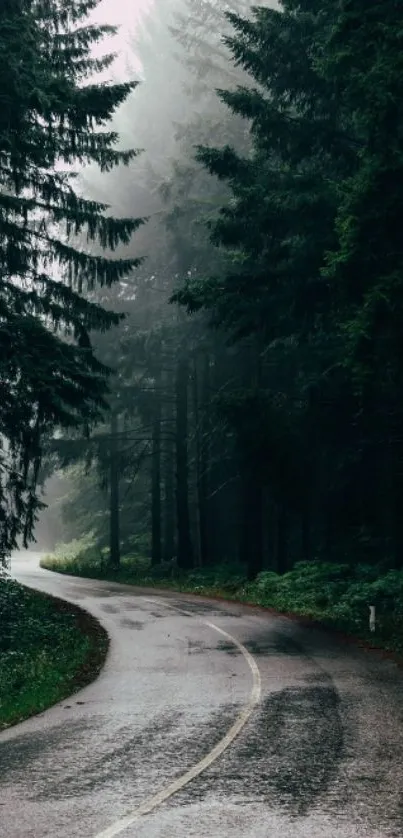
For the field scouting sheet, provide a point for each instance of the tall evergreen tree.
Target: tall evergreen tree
(276, 230)
(53, 116)
(364, 63)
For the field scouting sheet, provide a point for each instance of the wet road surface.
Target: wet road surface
(320, 756)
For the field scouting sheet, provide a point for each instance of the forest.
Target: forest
(202, 287)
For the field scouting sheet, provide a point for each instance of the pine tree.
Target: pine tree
(276, 229)
(313, 231)
(363, 61)
(53, 116)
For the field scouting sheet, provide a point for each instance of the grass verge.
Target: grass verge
(337, 596)
(49, 649)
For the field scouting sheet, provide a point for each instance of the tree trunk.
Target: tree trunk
(306, 531)
(396, 503)
(255, 563)
(267, 527)
(168, 469)
(185, 550)
(200, 404)
(281, 538)
(114, 553)
(169, 502)
(156, 481)
(252, 525)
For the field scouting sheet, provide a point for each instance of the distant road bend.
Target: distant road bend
(208, 721)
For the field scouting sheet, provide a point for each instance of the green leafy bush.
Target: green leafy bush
(309, 588)
(336, 594)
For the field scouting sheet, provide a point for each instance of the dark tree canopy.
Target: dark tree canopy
(53, 116)
(278, 434)
(315, 275)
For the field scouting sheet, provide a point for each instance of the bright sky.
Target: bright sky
(123, 13)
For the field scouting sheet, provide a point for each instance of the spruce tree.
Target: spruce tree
(313, 231)
(53, 117)
(276, 229)
(364, 63)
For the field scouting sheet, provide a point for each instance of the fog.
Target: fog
(176, 53)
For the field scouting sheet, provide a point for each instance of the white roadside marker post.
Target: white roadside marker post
(372, 617)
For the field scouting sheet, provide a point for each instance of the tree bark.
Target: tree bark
(114, 553)
(252, 525)
(156, 481)
(169, 502)
(200, 400)
(306, 531)
(281, 538)
(185, 549)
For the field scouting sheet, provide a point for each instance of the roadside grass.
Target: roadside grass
(337, 596)
(49, 649)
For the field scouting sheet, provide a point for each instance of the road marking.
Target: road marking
(178, 784)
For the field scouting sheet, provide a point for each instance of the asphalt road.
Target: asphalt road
(208, 721)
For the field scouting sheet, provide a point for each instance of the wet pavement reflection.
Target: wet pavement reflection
(322, 755)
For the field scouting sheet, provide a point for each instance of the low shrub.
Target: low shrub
(336, 594)
(48, 649)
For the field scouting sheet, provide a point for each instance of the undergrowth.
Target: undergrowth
(337, 595)
(48, 650)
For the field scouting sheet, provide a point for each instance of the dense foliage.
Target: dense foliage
(53, 118)
(334, 594)
(47, 648)
(276, 434)
(316, 268)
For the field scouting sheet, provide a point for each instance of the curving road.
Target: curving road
(208, 720)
